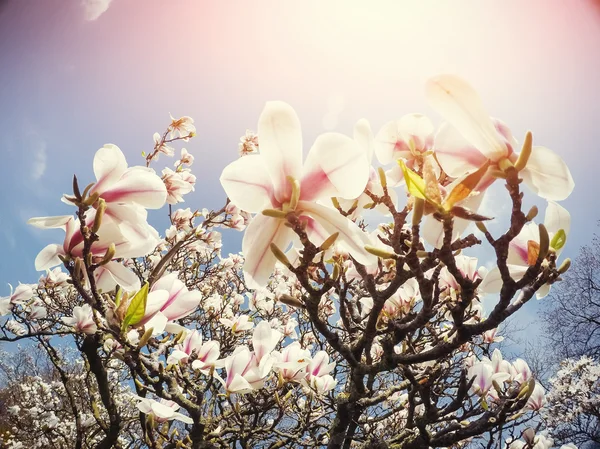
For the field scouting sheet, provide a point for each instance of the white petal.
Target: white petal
(280, 141)
(48, 257)
(259, 259)
(456, 101)
(113, 273)
(248, 184)
(547, 175)
(351, 237)
(50, 222)
(492, 283)
(557, 217)
(335, 166)
(543, 291)
(363, 136)
(140, 186)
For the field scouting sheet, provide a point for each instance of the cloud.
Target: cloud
(39, 163)
(95, 8)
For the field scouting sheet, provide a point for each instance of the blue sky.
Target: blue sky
(69, 84)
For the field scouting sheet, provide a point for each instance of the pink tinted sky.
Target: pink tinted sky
(69, 85)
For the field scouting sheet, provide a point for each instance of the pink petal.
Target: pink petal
(137, 185)
(280, 140)
(185, 304)
(351, 237)
(518, 248)
(456, 101)
(247, 183)
(260, 260)
(335, 166)
(109, 166)
(547, 175)
(455, 155)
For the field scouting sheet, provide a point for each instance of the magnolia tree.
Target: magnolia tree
(324, 331)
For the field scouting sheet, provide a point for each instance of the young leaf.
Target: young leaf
(559, 239)
(465, 187)
(137, 307)
(414, 183)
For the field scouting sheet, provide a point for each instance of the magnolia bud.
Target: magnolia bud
(564, 267)
(418, 207)
(109, 254)
(329, 241)
(382, 177)
(291, 301)
(544, 242)
(145, 338)
(532, 213)
(380, 252)
(99, 215)
(525, 152)
(281, 257)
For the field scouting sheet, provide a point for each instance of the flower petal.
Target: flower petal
(109, 166)
(137, 185)
(351, 238)
(456, 101)
(50, 222)
(48, 257)
(335, 166)
(247, 183)
(455, 154)
(547, 175)
(280, 140)
(259, 259)
(109, 275)
(492, 283)
(363, 136)
(557, 218)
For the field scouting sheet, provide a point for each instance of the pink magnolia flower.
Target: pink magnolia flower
(21, 294)
(467, 266)
(170, 298)
(537, 399)
(291, 362)
(277, 179)
(176, 185)
(474, 138)
(319, 365)
(108, 275)
(244, 374)
(492, 337)
(206, 353)
(238, 324)
(162, 410)
(82, 320)
(523, 249)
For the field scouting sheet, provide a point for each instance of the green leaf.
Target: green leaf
(414, 183)
(559, 240)
(137, 308)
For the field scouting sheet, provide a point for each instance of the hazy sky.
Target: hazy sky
(75, 75)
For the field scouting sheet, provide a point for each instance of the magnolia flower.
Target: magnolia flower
(176, 185)
(37, 311)
(54, 278)
(161, 146)
(523, 250)
(107, 275)
(467, 267)
(319, 365)
(238, 324)
(244, 373)
(162, 411)
(186, 158)
(484, 377)
(82, 320)
(182, 128)
(277, 179)
(472, 138)
(264, 340)
(206, 354)
(21, 294)
(492, 337)
(537, 399)
(248, 143)
(410, 139)
(169, 299)
(291, 362)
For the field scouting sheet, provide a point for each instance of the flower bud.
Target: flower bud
(145, 338)
(379, 252)
(532, 213)
(291, 301)
(544, 242)
(329, 241)
(109, 255)
(382, 177)
(418, 206)
(99, 215)
(564, 267)
(281, 257)
(525, 152)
